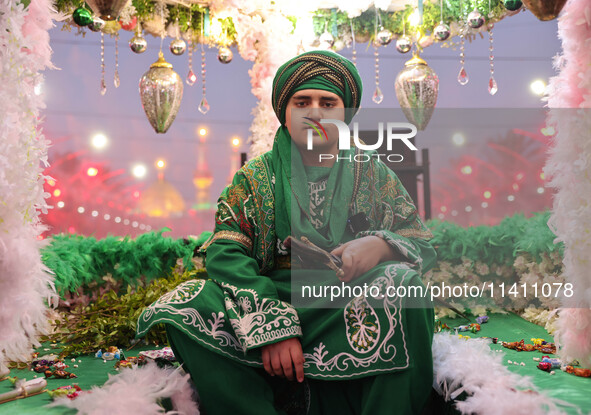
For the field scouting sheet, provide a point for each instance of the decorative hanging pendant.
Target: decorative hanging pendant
(103, 83)
(377, 97)
(82, 16)
(403, 44)
(475, 19)
(417, 87)
(492, 83)
(191, 77)
(97, 24)
(384, 37)
(116, 80)
(138, 43)
(178, 47)
(512, 5)
(462, 75)
(107, 9)
(161, 92)
(225, 55)
(203, 105)
(442, 31)
(545, 9)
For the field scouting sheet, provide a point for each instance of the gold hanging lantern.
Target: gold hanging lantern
(161, 92)
(107, 9)
(416, 87)
(545, 9)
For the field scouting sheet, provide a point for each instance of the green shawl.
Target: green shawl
(331, 72)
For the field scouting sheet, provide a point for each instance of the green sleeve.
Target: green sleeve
(251, 300)
(399, 223)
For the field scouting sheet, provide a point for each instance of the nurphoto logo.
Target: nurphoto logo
(394, 131)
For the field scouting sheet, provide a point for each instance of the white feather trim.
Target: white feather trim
(470, 366)
(136, 391)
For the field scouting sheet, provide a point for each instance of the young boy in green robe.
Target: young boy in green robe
(249, 350)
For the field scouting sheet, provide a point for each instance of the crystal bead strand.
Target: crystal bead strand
(103, 84)
(116, 80)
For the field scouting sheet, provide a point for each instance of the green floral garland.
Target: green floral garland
(336, 22)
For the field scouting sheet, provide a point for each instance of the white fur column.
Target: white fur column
(24, 282)
(569, 171)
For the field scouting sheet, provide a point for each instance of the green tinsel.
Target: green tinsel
(494, 244)
(78, 261)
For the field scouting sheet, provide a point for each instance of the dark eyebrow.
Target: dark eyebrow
(308, 97)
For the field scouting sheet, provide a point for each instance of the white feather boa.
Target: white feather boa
(24, 281)
(136, 391)
(568, 169)
(470, 366)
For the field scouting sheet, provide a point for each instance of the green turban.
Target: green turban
(320, 69)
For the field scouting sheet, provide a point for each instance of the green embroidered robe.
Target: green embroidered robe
(245, 303)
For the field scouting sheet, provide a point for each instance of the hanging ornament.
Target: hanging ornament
(82, 17)
(161, 92)
(512, 5)
(385, 37)
(545, 9)
(475, 19)
(103, 83)
(403, 44)
(442, 31)
(97, 24)
(354, 42)
(492, 83)
(326, 40)
(138, 43)
(116, 80)
(107, 9)
(191, 77)
(417, 86)
(225, 55)
(378, 97)
(130, 25)
(203, 105)
(178, 47)
(462, 75)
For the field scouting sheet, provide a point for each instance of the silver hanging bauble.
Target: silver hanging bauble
(97, 24)
(441, 31)
(178, 47)
(161, 92)
(475, 19)
(138, 43)
(326, 40)
(384, 37)
(403, 44)
(225, 55)
(416, 87)
(107, 9)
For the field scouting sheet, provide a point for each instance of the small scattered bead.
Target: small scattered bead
(509, 361)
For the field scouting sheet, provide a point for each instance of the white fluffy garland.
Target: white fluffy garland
(568, 169)
(470, 366)
(24, 281)
(136, 391)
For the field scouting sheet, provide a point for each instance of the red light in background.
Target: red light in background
(72, 229)
(136, 194)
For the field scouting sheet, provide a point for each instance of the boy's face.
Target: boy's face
(315, 104)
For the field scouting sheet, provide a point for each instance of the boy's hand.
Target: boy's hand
(283, 357)
(361, 255)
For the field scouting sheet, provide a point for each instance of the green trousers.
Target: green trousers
(229, 387)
